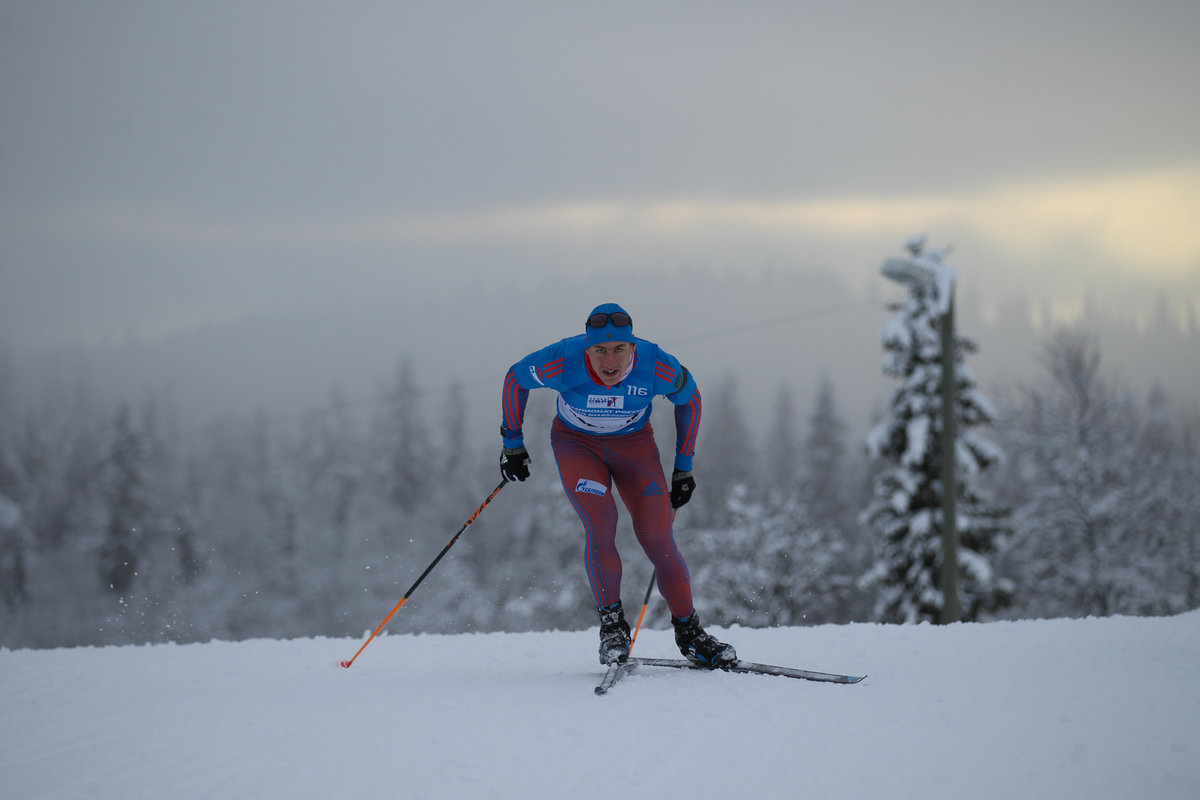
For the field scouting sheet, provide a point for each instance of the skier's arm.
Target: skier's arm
(512, 406)
(675, 383)
(687, 425)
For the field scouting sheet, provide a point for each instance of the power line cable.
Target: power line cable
(777, 322)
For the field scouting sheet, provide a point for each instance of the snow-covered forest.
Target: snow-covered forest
(116, 528)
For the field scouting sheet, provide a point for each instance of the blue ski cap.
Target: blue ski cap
(610, 332)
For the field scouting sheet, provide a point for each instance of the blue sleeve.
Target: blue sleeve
(674, 382)
(536, 370)
(672, 379)
(687, 425)
(512, 410)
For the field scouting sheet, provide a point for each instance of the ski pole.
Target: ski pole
(428, 570)
(646, 600)
(641, 616)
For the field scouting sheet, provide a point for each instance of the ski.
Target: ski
(750, 668)
(614, 673)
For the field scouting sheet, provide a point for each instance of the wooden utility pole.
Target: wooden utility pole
(949, 464)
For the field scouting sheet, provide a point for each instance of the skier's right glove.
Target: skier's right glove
(514, 463)
(682, 486)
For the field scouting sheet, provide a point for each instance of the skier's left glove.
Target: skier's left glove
(682, 486)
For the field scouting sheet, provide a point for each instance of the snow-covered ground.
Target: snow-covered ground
(1097, 708)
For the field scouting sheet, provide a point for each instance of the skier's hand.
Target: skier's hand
(682, 486)
(514, 463)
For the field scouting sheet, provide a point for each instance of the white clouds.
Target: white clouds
(1133, 224)
(1145, 221)
(1141, 221)
(380, 136)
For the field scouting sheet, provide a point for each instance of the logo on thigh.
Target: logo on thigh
(652, 489)
(591, 487)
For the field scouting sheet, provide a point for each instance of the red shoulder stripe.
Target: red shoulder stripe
(552, 368)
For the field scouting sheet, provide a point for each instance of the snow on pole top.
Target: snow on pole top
(924, 269)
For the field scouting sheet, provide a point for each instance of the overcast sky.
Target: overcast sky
(166, 166)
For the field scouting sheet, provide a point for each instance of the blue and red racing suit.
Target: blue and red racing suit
(601, 436)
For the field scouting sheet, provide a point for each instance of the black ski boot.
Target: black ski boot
(700, 647)
(614, 634)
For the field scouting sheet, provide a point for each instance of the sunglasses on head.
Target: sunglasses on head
(618, 318)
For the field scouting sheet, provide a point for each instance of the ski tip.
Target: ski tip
(855, 678)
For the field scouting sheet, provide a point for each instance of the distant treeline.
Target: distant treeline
(116, 528)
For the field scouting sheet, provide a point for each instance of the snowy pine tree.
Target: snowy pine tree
(128, 506)
(14, 552)
(782, 454)
(727, 450)
(755, 572)
(823, 482)
(400, 440)
(1103, 521)
(905, 513)
(330, 458)
(15, 539)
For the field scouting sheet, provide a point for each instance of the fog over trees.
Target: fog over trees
(115, 527)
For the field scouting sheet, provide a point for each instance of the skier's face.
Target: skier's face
(610, 360)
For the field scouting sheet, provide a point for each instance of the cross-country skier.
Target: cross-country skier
(606, 379)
